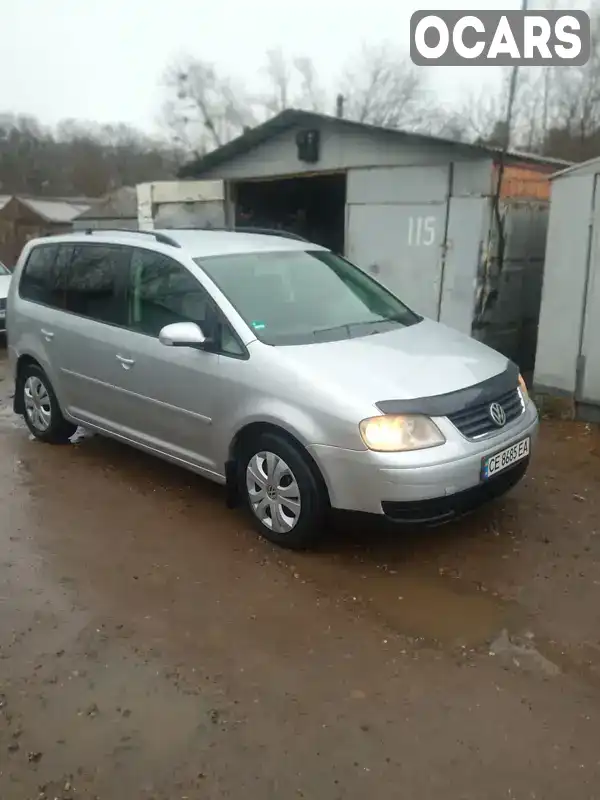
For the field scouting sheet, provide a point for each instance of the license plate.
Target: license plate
(2, 314)
(498, 462)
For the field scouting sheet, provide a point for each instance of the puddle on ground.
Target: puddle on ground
(412, 600)
(406, 594)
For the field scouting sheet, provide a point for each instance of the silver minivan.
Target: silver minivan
(267, 364)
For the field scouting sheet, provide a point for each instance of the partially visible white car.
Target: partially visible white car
(5, 277)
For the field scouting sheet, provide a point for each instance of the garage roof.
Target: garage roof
(120, 204)
(291, 117)
(589, 167)
(58, 210)
(54, 210)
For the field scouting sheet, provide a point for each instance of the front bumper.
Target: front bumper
(423, 486)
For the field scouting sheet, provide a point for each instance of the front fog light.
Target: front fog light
(392, 434)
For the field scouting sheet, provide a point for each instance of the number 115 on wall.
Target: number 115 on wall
(421, 231)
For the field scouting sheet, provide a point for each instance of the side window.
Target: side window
(43, 277)
(92, 286)
(160, 291)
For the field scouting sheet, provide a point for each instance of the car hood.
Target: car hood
(421, 360)
(4, 284)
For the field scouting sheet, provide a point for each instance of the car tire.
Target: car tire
(284, 493)
(40, 407)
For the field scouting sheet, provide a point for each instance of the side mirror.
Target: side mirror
(182, 334)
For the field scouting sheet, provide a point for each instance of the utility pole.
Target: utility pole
(508, 125)
(511, 93)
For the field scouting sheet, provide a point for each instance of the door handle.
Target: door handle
(126, 363)
(48, 335)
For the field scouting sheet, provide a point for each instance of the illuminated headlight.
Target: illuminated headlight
(523, 388)
(393, 434)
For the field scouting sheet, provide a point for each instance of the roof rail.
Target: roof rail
(249, 229)
(271, 232)
(160, 237)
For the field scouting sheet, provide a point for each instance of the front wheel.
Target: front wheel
(285, 496)
(40, 406)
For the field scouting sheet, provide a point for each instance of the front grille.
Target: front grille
(475, 421)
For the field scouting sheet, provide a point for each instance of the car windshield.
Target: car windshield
(4, 270)
(302, 296)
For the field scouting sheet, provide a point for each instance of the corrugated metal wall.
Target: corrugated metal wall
(430, 235)
(568, 351)
(509, 289)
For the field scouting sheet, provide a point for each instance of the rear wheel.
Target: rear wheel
(40, 407)
(285, 497)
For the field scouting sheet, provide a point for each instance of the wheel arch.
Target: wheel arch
(23, 361)
(245, 435)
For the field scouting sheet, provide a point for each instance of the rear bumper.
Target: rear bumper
(415, 487)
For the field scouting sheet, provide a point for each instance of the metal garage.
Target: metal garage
(423, 215)
(568, 351)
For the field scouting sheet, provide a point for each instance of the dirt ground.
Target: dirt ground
(152, 647)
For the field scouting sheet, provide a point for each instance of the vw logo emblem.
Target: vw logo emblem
(498, 414)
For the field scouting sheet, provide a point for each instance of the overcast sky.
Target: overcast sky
(103, 60)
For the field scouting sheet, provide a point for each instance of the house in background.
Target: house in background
(115, 210)
(23, 218)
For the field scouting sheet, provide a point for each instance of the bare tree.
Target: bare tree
(78, 158)
(209, 108)
(444, 122)
(311, 96)
(205, 109)
(576, 102)
(382, 87)
(485, 112)
(556, 112)
(176, 126)
(559, 109)
(278, 73)
(290, 83)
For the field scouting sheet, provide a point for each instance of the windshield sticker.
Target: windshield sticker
(258, 325)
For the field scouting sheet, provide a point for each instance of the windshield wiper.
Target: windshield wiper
(349, 325)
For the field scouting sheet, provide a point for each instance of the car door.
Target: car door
(172, 392)
(87, 335)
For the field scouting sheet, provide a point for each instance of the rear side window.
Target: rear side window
(82, 279)
(43, 280)
(93, 283)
